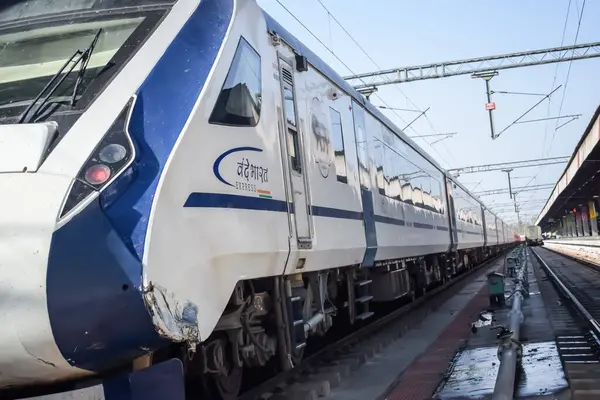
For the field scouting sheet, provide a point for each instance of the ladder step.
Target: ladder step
(365, 315)
(364, 299)
(363, 283)
(298, 322)
(295, 298)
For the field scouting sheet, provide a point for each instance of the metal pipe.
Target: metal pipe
(312, 323)
(505, 381)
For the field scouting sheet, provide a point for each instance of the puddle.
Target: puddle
(474, 373)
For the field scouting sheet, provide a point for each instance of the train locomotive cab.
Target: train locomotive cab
(76, 79)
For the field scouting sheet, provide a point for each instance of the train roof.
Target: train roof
(275, 27)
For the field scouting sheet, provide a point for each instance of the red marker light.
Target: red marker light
(97, 174)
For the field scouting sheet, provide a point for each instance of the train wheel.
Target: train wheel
(226, 387)
(226, 383)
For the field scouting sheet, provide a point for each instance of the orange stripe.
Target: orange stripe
(263, 192)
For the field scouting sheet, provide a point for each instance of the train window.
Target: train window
(337, 140)
(379, 161)
(288, 105)
(293, 149)
(360, 136)
(239, 102)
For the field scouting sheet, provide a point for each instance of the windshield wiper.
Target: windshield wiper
(77, 57)
(86, 59)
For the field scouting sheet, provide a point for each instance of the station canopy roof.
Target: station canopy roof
(580, 181)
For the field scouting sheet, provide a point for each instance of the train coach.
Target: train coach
(186, 180)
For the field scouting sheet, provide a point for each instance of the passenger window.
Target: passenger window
(240, 99)
(337, 140)
(378, 150)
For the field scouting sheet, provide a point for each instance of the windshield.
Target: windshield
(38, 37)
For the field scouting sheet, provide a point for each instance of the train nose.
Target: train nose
(71, 299)
(29, 205)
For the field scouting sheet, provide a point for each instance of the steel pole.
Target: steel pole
(489, 100)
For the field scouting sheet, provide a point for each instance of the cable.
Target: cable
(568, 73)
(395, 86)
(562, 41)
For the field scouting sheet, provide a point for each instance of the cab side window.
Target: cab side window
(240, 99)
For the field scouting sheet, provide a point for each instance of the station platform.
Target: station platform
(571, 210)
(583, 248)
(453, 352)
(425, 350)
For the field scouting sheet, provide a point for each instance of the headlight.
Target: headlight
(113, 155)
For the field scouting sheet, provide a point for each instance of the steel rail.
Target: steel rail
(570, 296)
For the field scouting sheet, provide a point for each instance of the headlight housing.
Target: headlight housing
(113, 157)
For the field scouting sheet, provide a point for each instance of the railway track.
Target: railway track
(578, 285)
(319, 373)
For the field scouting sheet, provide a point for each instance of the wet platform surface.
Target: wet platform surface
(382, 372)
(475, 370)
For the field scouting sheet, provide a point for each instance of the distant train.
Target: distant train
(533, 236)
(187, 179)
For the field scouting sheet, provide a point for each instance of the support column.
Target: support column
(564, 230)
(585, 221)
(578, 223)
(593, 217)
(573, 225)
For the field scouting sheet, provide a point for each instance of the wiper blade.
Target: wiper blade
(77, 57)
(86, 59)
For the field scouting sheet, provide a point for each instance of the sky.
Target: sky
(397, 33)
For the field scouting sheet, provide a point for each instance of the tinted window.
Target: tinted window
(337, 140)
(405, 175)
(290, 113)
(360, 135)
(239, 101)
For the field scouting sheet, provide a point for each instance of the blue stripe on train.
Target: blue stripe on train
(234, 201)
(96, 310)
(164, 103)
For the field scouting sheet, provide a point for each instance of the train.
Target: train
(185, 185)
(533, 235)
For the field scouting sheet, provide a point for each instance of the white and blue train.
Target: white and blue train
(185, 179)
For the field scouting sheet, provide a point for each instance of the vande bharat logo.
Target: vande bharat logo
(321, 143)
(239, 168)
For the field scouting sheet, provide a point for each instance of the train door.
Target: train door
(292, 141)
(452, 214)
(484, 225)
(366, 184)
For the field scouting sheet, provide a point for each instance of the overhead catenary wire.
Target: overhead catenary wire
(562, 42)
(564, 92)
(362, 49)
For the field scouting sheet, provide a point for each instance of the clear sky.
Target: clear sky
(399, 33)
